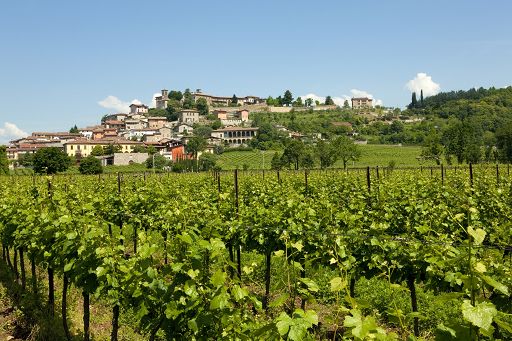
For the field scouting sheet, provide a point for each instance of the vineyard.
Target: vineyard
(328, 255)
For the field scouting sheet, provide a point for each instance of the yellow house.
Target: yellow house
(85, 147)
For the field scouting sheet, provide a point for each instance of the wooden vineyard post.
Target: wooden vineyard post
(368, 182)
(238, 253)
(51, 292)
(497, 174)
(442, 175)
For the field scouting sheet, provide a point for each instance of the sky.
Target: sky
(67, 62)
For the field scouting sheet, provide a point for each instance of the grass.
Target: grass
(371, 155)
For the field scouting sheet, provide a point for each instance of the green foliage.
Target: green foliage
(97, 151)
(50, 161)
(346, 150)
(202, 107)
(188, 100)
(195, 145)
(110, 149)
(287, 98)
(329, 101)
(4, 162)
(74, 129)
(156, 161)
(90, 165)
(207, 161)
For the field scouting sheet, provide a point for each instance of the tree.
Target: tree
(308, 102)
(188, 100)
(111, 149)
(202, 106)
(307, 159)
(292, 154)
(207, 161)
(326, 154)
(234, 100)
(432, 148)
(329, 101)
(421, 98)
(463, 140)
(156, 160)
(504, 142)
(175, 95)
(346, 150)
(317, 102)
(74, 130)
(346, 105)
(203, 131)
(97, 151)
(287, 98)
(298, 102)
(26, 160)
(90, 165)
(50, 160)
(195, 145)
(4, 162)
(414, 101)
(276, 163)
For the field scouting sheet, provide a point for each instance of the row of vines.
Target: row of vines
(244, 256)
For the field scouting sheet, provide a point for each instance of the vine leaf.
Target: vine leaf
(480, 315)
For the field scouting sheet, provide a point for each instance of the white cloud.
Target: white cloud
(424, 82)
(10, 131)
(117, 105)
(153, 101)
(341, 99)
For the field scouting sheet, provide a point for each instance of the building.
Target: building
(115, 124)
(135, 124)
(235, 135)
(138, 108)
(189, 116)
(162, 100)
(123, 159)
(362, 103)
(84, 147)
(184, 128)
(226, 101)
(157, 122)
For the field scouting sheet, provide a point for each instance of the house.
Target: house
(115, 117)
(188, 116)
(138, 108)
(362, 103)
(84, 147)
(235, 135)
(183, 128)
(115, 124)
(220, 114)
(135, 124)
(226, 101)
(157, 122)
(100, 133)
(162, 100)
(88, 132)
(139, 134)
(123, 159)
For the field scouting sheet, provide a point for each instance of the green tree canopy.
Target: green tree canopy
(74, 129)
(346, 150)
(50, 160)
(111, 149)
(202, 107)
(90, 165)
(195, 145)
(329, 101)
(188, 100)
(4, 162)
(175, 95)
(97, 151)
(156, 160)
(287, 98)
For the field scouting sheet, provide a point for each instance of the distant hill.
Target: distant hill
(493, 107)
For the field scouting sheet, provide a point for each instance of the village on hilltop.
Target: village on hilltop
(137, 129)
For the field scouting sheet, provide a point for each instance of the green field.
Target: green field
(372, 155)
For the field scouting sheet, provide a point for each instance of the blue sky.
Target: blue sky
(58, 59)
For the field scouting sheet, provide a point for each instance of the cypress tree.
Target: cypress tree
(421, 98)
(414, 101)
